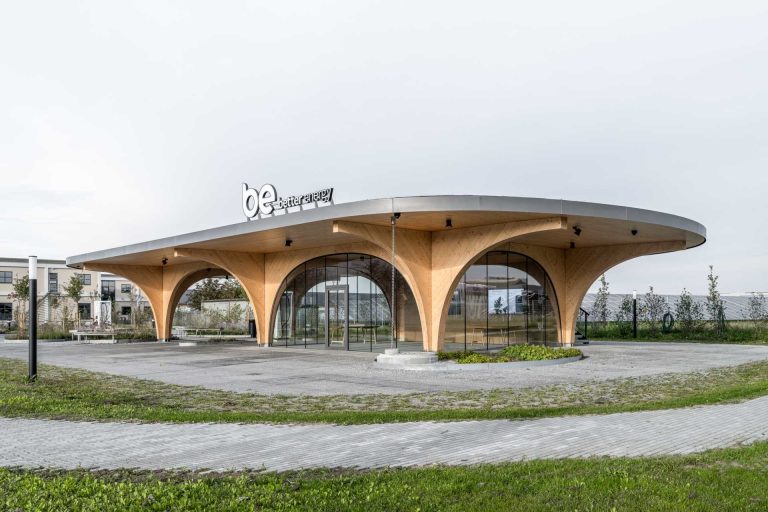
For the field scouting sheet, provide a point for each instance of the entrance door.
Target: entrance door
(284, 319)
(337, 316)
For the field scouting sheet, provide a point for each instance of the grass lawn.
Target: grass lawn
(719, 480)
(62, 393)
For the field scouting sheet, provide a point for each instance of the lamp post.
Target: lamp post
(634, 313)
(32, 318)
(393, 220)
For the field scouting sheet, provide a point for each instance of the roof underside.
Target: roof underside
(600, 225)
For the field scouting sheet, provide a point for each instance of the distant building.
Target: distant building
(101, 295)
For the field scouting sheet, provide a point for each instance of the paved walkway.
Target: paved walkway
(244, 368)
(63, 444)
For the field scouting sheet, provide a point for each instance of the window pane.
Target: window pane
(350, 293)
(455, 323)
(498, 300)
(503, 298)
(476, 289)
(517, 280)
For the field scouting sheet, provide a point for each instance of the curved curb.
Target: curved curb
(452, 366)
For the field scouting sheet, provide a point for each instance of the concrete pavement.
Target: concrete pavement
(64, 444)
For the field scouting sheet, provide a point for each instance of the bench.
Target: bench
(88, 334)
(192, 331)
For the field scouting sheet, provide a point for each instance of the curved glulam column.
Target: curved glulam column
(413, 251)
(248, 269)
(160, 286)
(453, 251)
(583, 266)
(277, 267)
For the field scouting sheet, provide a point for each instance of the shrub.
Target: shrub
(600, 307)
(715, 304)
(624, 315)
(510, 354)
(538, 352)
(689, 313)
(474, 357)
(652, 310)
(451, 356)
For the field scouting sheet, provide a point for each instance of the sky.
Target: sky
(122, 122)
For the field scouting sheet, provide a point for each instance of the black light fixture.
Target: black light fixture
(634, 232)
(165, 260)
(577, 230)
(573, 245)
(288, 242)
(448, 223)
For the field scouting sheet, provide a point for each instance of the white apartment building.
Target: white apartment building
(102, 293)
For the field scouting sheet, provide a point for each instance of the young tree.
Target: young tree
(138, 316)
(600, 306)
(53, 305)
(715, 304)
(234, 315)
(231, 289)
(498, 306)
(757, 311)
(652, 309)
(214, 289)
(73, 290)
(20, 297)
(689, 313)
(624, 315)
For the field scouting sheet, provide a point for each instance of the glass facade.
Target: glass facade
(503, 298)
(343, 301)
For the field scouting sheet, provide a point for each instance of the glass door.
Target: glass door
(337, 316)
(284, 320)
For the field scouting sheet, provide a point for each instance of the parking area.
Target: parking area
(292, 371)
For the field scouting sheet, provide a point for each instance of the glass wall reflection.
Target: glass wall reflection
(343, 301)
(504, 298)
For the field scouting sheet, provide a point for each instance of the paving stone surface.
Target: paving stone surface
(64, 444)
(292, 371)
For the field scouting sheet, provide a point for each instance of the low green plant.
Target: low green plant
(538, 352)
(474, 357)
(737, 331)
(510, 354)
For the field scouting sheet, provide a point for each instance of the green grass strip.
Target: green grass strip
(719, 480)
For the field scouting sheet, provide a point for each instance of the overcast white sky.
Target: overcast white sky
(127, 121)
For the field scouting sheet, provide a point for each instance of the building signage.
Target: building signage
(265, 200)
